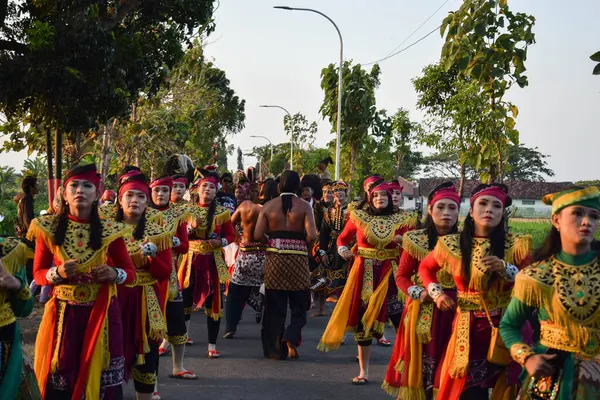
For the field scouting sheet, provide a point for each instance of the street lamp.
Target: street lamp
(291, 135)
(339, 107)
(267, 139)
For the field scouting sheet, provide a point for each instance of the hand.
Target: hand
(325, 260)
(444, 302)
(397, 239)
(214, 243)
(425, 297)
(148, 249)
(538, 365)
(67, 269)
(105, 273)
(494, 264)
(199, 221)
(7, 280)
(347, 255)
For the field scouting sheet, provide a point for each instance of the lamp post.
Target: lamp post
(340, 81)
(291, 135)
(267, 139)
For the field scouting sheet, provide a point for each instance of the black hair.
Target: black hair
(213, 204)
(289, 182)
(313, 182)
(26, 213)
(552, 245)
(268, 190)
(497, 236)
(226, 175)
(138, 232)
(389, 210)
(365, 201)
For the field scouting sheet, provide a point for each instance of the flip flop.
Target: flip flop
(184, 375)
(189, 342)
(384, 342)
(162, 351)
(359, 381)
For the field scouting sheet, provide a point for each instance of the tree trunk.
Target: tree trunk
(136, 150)
(58, 152)
(51, 183)
(461, 185)
(353, 158)
(106, 145)
(500, 165)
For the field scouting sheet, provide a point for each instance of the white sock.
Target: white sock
(212, 347)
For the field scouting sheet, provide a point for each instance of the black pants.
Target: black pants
(274, 332)
(212, 325)
(144, 376)
(176, 329)
(394, 319)
(236, 299)
(475, 393)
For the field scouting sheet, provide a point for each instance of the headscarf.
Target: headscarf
(445, 190)
(499, 191)
(134, 180)
(586, 197)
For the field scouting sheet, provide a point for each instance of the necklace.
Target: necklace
(288, 194)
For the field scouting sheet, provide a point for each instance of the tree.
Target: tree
(301, 133)
(596, 57)
(487, 42)
(70, 66)
(359, 113)
(240, 160)
(8, 180)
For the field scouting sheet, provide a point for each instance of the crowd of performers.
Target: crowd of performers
(477, 312)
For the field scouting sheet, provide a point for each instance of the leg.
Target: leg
(144, 376)
(364, 355)
(236, 299)
(475, 393)
(273, 324)
(299, 304)
(212, 326)
(188, 305)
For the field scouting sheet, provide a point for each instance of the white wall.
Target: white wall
(521, 210)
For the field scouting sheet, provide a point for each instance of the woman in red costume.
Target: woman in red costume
(79, 347)
(175, 222)
(483, 260)
(202, 272)
(362, 306)
(423, 336)
(149, 247)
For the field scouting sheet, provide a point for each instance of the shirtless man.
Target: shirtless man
(248, 271)
(288, 223)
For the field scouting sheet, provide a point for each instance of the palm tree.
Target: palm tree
(8, 178)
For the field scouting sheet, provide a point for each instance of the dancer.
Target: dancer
(362, 305)
(562, 286)
(333, 267)
(396, 195)
(79, 346)
(149, 247)
(248, 272)
(370, 182)
(289, 223)
(483, 259)
(17, 380)
(424, 335)
(328, 194)
(202, 271)
(180, 185)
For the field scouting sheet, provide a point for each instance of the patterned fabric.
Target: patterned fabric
(287, 271)
(249, 265)
(380, 229)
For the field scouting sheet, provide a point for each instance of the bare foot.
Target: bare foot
(292, 350)
(318, 314)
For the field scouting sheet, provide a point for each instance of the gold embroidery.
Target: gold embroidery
(446, 280)
(586, 344)
(61, 306)
(221, 216)
(148, 378)
(142, 278)
(377, 254)
(156, 320)
(520, 352)
(416, 243)
(173, 217)
(471, 301)
(7, 316)
(202, 247)
(152, 233)
(109, 212)
(83, 293)
(381, 229)
(423, 328)
(367, 289)
(460, 362)
(177, 339)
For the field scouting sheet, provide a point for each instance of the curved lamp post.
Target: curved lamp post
(339, 108)
(267, 139)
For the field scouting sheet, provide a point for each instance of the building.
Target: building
(409, 199)
(527, 196)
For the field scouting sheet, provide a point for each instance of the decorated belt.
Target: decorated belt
(202, 247)
(83, 293)
(143, 278)
(253, 248)
(583, 341)
(471, 301)
(7, 316)
(378, 254)
(279, 251)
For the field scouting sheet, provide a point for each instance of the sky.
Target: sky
(275, 57)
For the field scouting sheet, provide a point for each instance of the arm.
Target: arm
(428, 270)
(184, 241)
(43, 272)
(117, 251)
(236, 215)
(261, 226)
(309, 225)
(160, 266)
(22, 301)
(347, 235)
(511, 324)
(227, 232)
(325, 235)
(406, 269)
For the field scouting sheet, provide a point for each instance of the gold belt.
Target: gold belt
(202, 247)
(471, 301)
(7, 316)
(143, 278)
(256, 248)
(82, 293)
(586, 345)
(378, 254)
(296, 252)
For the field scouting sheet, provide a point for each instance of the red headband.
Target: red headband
(181, 179)
(165, 181)
(91, 176)
(211, 179)
(449, 193)
(382, 186)
(370, 180)
(395, 185)
(134, 184)
(491, 191)
(109, 194)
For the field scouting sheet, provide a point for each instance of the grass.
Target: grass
(538, 229)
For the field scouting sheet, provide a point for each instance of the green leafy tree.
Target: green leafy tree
(302, 133)
(527, 164)
(359, 112)
(487, 42)
(596, 57)
(8, 181)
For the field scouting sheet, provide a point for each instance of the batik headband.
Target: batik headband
(588, 197)
(85, 173)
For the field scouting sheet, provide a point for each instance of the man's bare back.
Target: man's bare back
(299, 219)
(247, 213)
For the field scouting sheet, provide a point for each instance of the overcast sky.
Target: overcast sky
(275, 57)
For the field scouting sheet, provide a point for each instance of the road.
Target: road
(243, 373)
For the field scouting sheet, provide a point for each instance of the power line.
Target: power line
(420, 26)
(404, 49)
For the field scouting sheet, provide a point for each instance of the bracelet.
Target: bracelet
(415, 292)
(342, 250)
(52, 275)
(224, 242)
(434, 290)
(322, 252)
(121, 276)
(510, 272)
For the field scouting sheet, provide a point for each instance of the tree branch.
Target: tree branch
(12, 46)
(125, 8)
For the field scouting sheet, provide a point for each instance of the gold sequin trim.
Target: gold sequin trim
(177, 339)
(520, 352)
(148, 378)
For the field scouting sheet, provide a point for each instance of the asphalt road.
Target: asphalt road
(243, 373)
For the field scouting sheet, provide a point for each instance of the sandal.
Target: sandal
(189, 341)
(384, 342)
(185, 375)
(359, 381)
(317, 314)
(155, 396)
(162, 351)
(213, 354)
